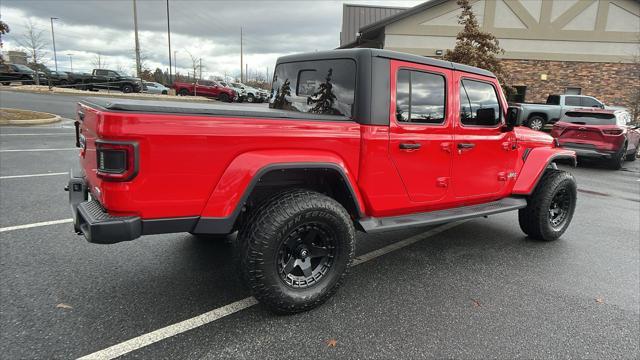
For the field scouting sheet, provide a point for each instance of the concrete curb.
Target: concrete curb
(80, 93)
(42, 121)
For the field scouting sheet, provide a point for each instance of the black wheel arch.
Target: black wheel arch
(328, 178)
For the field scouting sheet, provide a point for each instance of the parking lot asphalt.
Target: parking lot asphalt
(477, 290)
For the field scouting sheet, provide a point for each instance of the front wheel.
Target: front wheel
(251, 98)
(295, 250)
(223, 97)
(127, 88)
(550, 208)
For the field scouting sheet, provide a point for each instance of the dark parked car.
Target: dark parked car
(78, 79)
(599, 134)
(57, 78)
(16, 73)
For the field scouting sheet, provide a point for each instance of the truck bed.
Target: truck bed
(215, 108)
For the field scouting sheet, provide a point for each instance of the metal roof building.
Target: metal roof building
(355, 17)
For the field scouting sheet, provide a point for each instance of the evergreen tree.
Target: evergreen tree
(475, 47)
(324, 98)
(281, 101)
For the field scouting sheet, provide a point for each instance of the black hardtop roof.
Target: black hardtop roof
(358, 53)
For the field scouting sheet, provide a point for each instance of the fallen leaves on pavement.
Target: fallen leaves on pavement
(599, 301)
(64, 306)
(332, 342)
(476, 303)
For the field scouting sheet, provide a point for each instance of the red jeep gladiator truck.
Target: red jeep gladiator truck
(353, 140)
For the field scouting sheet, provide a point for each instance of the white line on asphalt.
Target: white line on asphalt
(18, 150)
(27, 226)
(33, 175)
(141, 341)
(68, 133)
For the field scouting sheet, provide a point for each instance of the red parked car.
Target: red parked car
(205, 88)
(599, 134)
(354, 140)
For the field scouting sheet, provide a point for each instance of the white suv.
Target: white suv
(253, 94)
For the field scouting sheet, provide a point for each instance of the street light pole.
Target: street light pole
(175, 62)
(55, 57)
(135, 27)
(169, 38)
(70, 61)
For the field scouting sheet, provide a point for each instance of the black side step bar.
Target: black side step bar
(372, 224)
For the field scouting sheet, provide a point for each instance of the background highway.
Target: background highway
(479, 289)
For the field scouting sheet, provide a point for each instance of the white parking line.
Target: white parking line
(43, 134)
(141, 341)
(27, 226)
(32, 175)
(18, 150)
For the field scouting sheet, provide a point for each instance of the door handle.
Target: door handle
(463, 146)
(410, 146)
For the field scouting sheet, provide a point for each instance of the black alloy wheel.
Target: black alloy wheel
(306, 254)
(559, 208)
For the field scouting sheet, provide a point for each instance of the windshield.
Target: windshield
(236, 85)
(589, 118)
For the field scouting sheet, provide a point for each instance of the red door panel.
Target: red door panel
(421, 135)
(485, 155)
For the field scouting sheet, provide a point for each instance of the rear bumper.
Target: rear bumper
(100, 227)
(585, 151)
(92, 221)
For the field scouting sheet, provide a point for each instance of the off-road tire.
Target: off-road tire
(534, 219)
(616, 161)
(260, 239)
(223, 97)
(534, 120)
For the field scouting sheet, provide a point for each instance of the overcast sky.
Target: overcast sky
(207, 29)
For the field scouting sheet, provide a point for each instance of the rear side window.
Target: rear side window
(320, 87)
(589, 118)
(572, 100)
(553, 100)
(479, 104)
(420, 97)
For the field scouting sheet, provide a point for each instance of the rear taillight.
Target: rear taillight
(612, 131)
(117, 160)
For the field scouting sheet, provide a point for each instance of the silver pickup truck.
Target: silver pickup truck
(536, 115)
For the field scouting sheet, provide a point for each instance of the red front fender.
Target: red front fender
(535, 164)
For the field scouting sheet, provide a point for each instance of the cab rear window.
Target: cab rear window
(589, 118)
(324, 87)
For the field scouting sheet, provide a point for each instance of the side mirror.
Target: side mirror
(513, 117)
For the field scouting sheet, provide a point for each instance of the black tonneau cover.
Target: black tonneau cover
(214, 108)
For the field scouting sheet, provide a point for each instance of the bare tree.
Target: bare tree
(98, 62)
(34, 42)
(195, 64)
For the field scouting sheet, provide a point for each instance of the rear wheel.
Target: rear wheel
(551, 206)
(634, 155)
(183, 92)
(295, 250)
(6, 83)
(617, 159)
(536, 123)
(126, 88)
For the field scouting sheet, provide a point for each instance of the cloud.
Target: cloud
(208, 29)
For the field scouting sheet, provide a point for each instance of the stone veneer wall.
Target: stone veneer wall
(616, 84)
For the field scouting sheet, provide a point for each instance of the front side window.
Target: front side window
(590, 102)
(479, 105)
(324, 87)
(420, 97)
